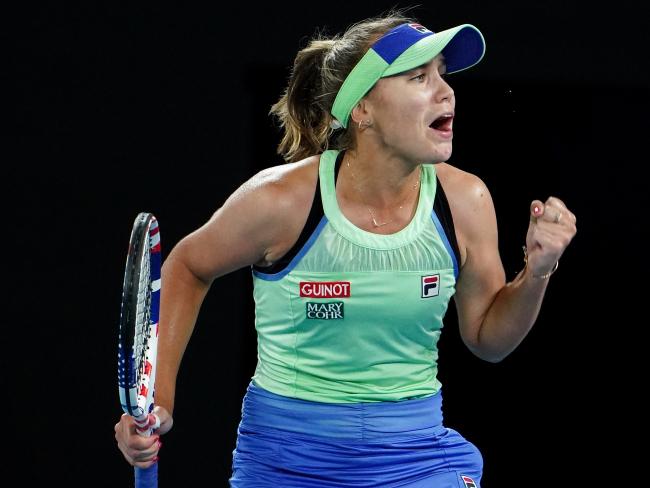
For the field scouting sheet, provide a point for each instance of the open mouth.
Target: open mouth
(443, 123)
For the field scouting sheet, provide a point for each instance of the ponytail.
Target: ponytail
(318, 72)
(303, 118)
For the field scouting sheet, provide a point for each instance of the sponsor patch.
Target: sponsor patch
(420, 28)
(469, 482)
(325, 310)
(430, 286)
(325, 289)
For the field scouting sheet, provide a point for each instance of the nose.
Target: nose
(445, 93)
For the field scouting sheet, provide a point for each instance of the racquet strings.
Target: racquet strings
(143, 320)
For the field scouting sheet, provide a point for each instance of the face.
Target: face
(412, 113)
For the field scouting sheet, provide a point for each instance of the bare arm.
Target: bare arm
(495, 316)
(257, 225)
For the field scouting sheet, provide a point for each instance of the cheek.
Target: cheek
(405, 116)
(410, 111)
(400, 110)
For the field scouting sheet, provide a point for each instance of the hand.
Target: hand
(141, 451)
(551, 229)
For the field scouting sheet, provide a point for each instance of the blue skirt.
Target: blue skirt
(284, 442)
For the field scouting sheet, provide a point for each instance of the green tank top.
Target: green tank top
(356, 316)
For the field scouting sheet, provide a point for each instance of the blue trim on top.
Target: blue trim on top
(155, 269)
(296, 259)
(445, 241)
(464, 50)
(398, 40)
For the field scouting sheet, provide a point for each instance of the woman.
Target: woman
(356, 252)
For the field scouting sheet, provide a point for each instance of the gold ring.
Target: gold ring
(558, 217)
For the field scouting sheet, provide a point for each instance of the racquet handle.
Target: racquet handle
(147, 477)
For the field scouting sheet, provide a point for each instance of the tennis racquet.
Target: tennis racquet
(138, 332)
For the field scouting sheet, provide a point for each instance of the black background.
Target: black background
(122, 109)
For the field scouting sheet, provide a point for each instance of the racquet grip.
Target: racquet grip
(147, 477)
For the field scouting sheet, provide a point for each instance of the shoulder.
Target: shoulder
(467, 194)
(285, 185)
(470, 203)
(279, 199)
(461, 186)
(256, 224)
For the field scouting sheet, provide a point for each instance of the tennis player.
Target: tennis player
(357, 246)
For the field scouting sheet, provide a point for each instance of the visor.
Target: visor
(403, 48)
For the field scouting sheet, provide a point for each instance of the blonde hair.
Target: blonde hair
(318, 72)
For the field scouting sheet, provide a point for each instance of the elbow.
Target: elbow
(179, 265)
(486, 352)
(494, 359)
(489, 356)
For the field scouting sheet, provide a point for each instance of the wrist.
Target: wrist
(538, 276)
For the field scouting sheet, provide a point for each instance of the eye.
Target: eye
(419, 77)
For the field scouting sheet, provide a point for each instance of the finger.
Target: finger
(536, 210)
(148, 453)
(139, 453)
(126, 423)
(166, 420)
(556, 202)
(144, 444)
(140, 463)
(146, 464)
(567, 215)
(122, 431)
(553, 214)
(133, 443)
(154, 421)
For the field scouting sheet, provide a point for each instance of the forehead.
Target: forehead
(438, 61)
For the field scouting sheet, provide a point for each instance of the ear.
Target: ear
(361, 111)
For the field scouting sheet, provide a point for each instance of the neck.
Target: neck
(379, 179)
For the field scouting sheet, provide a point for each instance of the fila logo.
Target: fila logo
(430, 286)
(325, 289)
(325, 311)
(420, 28)
(469, 482)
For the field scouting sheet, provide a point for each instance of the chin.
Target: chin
(438, 156)
(445, 152)
(426, 154)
